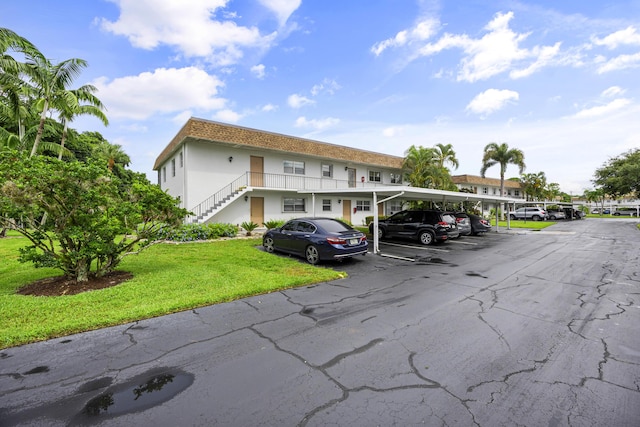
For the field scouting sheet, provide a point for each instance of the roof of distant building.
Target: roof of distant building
(478, 180)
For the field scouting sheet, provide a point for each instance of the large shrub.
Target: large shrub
(80, 217)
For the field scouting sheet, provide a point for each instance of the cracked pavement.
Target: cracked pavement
(533, 329)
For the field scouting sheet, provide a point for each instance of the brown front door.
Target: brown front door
(380, 209)
(257, 210)
(257, 171)
(346, 210)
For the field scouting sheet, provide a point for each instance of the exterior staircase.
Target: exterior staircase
(214, 203)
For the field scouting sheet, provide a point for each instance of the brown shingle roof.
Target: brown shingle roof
(478, 180)
(230, 134)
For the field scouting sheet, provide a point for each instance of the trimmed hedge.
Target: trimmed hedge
(193, 232)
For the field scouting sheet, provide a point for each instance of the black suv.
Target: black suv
(425, 226)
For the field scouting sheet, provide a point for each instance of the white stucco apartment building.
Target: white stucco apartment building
(232, 174)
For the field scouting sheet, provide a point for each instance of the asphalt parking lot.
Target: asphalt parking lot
(510, 328)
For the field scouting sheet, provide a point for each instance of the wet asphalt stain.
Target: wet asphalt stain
(143, 392)
(37, 370)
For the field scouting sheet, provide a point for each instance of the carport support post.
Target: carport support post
(376, 249)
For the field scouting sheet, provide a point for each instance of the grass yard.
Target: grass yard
(167, 278)
(516, 223)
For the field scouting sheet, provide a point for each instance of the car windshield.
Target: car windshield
(449, 218)
(332, 226)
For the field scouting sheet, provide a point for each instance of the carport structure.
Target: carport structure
(385, 193)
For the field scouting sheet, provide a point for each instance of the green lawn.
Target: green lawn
(167, 278)
(516, 223)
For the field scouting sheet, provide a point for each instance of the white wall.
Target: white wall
(207, 169)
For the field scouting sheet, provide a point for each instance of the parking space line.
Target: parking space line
(463, 243)
(414, 247)
(397, 257)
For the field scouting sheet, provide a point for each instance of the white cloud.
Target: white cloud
(298, 101)
(192, 29)
(497, 51)
(282, 8)
(303, 122)
(603, 110)
(269, 107)
(165, 90)
(544, 56)
(392, 131)
(228, 116)
(628, 36)
(612, 91)
(423, 30)
(182, 118)
(258, 71)
(620, 63)
(327, 86)
(491, 101)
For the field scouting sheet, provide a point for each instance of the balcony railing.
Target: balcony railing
(271, 181)
(301, 182)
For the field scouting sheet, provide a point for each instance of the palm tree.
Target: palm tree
(93, 107)
(14, 90)
(501, 154)
(418, 162)
(445, 154)
(50, 83)
(113, 154)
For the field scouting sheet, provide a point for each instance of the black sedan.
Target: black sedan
(316, 239)
(479, 224)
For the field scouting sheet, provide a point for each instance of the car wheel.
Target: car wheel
(268, 245)
(535, 218)
(426, 237)
(380, 233)
(616, 214)
(312, 255)
(512, 216)
(552, 218)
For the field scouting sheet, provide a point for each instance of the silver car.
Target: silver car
(532, 213)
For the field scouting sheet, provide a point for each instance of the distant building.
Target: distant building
(488, 186)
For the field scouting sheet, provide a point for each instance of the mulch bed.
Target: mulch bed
(58, 286)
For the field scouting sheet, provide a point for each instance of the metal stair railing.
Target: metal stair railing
(216, 200)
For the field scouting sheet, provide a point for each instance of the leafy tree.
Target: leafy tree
(552, 190)
(423, 168)
(620, 176)
(597, 196)
(501, 154)
(445, 154)
(93, 221)
(534, 185)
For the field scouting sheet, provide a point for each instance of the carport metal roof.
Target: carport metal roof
(383, 193)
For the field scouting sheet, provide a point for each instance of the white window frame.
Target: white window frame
(294, 204)
(326, 205)
(294, 167)
(395, 178)
(329, 170)
(363, 205)
(375, 174)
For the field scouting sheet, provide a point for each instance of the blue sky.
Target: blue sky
(558, 80)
